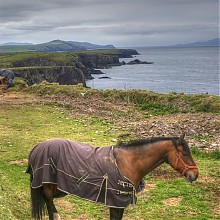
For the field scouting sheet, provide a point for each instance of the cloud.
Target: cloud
(103, 21)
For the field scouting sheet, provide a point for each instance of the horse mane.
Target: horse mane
(141, 142)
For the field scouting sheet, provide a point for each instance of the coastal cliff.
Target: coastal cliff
(64, 75)
(64, 68)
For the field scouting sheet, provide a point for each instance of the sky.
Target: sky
(123, 23)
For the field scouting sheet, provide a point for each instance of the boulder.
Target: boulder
(137, 61)
(9, 75)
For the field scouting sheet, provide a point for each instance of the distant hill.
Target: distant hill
(90, 46)
(15, 44)
(210, 43)
(52, 46)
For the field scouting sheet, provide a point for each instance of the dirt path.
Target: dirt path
(16, 98)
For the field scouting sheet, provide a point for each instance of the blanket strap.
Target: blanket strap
(52, 164)
(125, 184)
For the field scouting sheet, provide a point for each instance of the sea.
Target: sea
(181, 70)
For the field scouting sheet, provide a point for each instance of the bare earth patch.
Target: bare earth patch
(64, 205)
(82, 217)
(205, 179)
(174, 201)
(149, 186)
(19, 162)
(17, 98)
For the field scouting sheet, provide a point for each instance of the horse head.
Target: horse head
(180, 159)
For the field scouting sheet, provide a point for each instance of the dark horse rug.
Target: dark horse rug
(81, 170)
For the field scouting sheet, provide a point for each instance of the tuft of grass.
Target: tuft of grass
(150, 102)
(155, 108)
(215, 154)
(54, 89)
(17, 59)
(169, 103)
(19, 85)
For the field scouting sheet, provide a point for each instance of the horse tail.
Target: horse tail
(37, 199)
(37, 203)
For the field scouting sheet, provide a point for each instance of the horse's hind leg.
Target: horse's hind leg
(49, 191)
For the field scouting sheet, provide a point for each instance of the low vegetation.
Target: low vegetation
(9, 60)
(157, 104)
(47, 111)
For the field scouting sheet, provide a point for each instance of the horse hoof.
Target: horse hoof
(56, 216)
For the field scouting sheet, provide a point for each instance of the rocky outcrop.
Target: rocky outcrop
(104, 77)
(105, 59)
(95, 71)
(98, 61)
(38, 69)
(136, 61)
(127, 53)
(63, 75)
(66, 68)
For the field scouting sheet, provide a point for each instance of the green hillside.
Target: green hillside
(53, 46)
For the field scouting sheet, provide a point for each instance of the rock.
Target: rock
(104, 77)
(94, 71)
(98, 61)
(191, 132)
(137, 61)
(8, 75)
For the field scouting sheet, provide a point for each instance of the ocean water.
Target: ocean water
(181, 70)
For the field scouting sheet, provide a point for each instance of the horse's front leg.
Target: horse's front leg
(116, 213)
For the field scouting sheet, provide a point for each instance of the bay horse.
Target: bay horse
(53, 175)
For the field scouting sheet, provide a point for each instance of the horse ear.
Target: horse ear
(181, 138)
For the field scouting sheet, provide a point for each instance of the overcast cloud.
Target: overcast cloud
(121, 22)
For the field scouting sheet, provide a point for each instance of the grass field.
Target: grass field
(27, 119)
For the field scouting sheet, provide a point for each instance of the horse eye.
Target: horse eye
(185, 153)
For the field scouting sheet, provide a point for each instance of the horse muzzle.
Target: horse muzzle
(192, 176)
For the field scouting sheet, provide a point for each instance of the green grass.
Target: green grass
(37, 122)
(13, 60)
(215, 154)
(167, 103)
(150, 102)
(22, 126)
(10, 60)
(191, 201)
(155, 108)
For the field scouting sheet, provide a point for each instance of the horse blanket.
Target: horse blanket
(81, 170)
